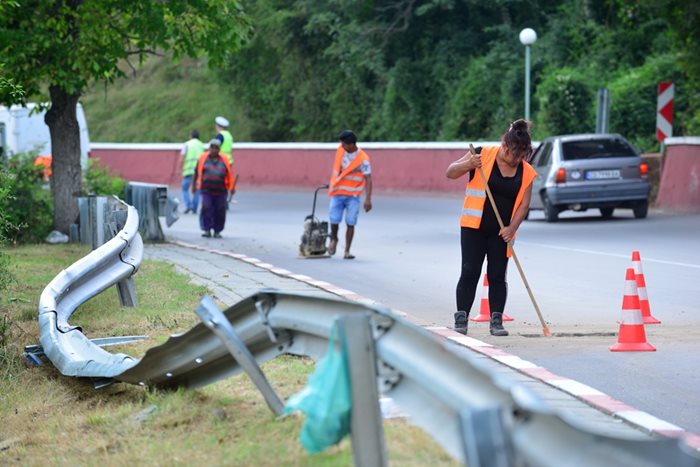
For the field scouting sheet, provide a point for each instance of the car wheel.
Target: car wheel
(551, 213)
(606, 212)
(641, 209)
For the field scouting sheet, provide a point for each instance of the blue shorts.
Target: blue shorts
(344, 202)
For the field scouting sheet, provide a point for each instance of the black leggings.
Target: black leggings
(477, 244)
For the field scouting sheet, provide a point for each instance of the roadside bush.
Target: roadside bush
(98, 181)
(634, 98)
(26, 208)
(6, 277)
(565, 103)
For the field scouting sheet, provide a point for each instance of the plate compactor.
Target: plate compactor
(315, 236)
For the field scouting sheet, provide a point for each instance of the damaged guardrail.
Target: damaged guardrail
(112, 263)
(152, 201)
(477, 414)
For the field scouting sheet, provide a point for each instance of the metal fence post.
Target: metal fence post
(366, 427)
(215, 320)
(486, 440)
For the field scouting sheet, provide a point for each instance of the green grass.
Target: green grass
(162, 102)
(51, 419)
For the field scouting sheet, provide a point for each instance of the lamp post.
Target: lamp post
(527, 37)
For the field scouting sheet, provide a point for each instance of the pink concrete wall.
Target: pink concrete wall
(141, 165)
(392, 169)
(680, 177)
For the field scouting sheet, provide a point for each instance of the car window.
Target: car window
(544, 154)
(597, 148)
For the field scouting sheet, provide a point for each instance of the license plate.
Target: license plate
(602, 174)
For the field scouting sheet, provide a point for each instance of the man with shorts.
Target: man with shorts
(352, 174)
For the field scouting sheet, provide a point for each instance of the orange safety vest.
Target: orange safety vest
(228, 181)
(475, 194)
(45, 162)
(350, 181)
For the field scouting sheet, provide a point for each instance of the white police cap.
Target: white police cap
(221, 121)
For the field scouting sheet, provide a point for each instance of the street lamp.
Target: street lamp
(527, 37)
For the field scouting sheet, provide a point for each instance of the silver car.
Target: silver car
(580, 172)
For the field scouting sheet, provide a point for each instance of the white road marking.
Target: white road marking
(614, 255)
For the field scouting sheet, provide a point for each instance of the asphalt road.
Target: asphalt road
(407, 257)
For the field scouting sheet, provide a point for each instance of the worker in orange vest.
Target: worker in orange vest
(45, 163)
(352, 174)
(510, 179)
(213, 177)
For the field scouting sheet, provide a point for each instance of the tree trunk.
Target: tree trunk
(66, 179)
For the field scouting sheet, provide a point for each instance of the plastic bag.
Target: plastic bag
(326, 400)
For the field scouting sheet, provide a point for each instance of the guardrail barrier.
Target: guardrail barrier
(478, 415)
(151, 200)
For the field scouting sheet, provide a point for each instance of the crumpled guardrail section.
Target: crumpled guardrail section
(479, 416)
(66, 346)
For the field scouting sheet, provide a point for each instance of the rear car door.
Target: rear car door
(542, 162)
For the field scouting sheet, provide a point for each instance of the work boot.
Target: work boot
(496, 325)
(461, 322)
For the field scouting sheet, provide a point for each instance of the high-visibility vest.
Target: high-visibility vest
(228, 180)
(194, 148)
(45, 162)
(475, 194)
(227, 143)
(350, 181)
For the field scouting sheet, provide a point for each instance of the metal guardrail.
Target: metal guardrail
(112, 263)
(479, 416)
(101, 218)
(151, 200)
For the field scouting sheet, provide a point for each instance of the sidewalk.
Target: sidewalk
(231, 276)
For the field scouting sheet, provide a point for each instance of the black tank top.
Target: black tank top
(504, 191)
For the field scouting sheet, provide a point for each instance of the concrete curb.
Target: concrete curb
(591, 396)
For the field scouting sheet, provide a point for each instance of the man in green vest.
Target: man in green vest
(223, 135)
(189, 155)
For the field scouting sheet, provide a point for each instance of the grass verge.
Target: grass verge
(48, 418)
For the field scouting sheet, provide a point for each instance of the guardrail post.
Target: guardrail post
(215, 320)
(366, 427)
(127, 293)
(486, 442)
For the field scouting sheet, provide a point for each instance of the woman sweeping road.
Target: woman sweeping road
(510, 179)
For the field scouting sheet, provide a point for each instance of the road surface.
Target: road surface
(407, 251)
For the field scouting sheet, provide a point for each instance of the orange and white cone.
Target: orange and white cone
(642, 290)
(631, 337)
(484, 307)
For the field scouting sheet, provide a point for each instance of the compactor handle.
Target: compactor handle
(313, 209)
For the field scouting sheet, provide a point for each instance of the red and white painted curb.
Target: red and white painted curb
(583, 392)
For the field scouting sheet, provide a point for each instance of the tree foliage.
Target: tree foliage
(64, 45)
(398, 69)
(450, 69)
(25, 204)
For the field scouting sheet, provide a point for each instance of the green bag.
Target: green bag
(326, 400)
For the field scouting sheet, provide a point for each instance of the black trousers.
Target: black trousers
(477, 244)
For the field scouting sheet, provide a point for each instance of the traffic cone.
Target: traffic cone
(642, 290)
(631, 337)
(484, 307)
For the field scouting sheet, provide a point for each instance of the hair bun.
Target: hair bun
(519, 126)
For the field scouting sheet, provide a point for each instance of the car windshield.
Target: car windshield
(596, 148)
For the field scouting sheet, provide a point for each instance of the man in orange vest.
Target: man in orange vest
(509, 177)
(352, 174)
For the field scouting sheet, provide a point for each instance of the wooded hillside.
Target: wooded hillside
(407, 70)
